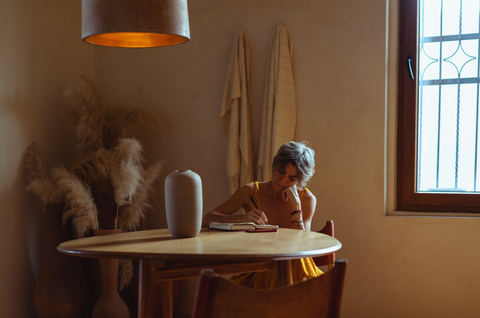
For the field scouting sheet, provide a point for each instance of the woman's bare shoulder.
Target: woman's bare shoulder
(264, 185)
(308, 196)
(247, 189)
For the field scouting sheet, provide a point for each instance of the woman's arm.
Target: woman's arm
(241, 198)
(307, 204)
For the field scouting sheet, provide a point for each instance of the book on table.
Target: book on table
(244, 226)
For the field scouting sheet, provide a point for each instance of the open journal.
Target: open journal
(246, 226)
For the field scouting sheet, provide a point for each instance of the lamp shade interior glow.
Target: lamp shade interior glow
(135, 23)
(135, 39)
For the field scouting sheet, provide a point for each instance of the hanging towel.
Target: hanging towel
(235, 114)
(279, 109)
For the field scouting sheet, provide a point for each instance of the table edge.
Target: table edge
(205, 257)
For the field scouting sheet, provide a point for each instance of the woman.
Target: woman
(283, 201)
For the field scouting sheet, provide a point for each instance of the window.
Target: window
(438, 140)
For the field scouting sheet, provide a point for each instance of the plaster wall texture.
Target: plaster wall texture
(41, 53)
(398, 266)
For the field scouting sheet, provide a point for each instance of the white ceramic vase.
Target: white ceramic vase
(184, 203)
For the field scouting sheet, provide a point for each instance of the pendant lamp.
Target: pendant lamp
(135, 23)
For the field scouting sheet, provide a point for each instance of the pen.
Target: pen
(256, 207)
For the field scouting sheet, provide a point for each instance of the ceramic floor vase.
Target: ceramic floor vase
(59, 288)
(91, 268)
(184, 203)
(110, 304)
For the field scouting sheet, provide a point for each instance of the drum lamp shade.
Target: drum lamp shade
(135, 23)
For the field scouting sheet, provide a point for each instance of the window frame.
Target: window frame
(407, 199)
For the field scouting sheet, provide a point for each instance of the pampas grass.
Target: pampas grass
(126, 178)
(96, 166)
(111, 165)
(125, 273)
(112, 157)
(111, 162)
(34, 163)
(79, 202)
(45, 190)
(123, 124)
(95, 127)
(133, 213)
(40, 182)
(84, 107)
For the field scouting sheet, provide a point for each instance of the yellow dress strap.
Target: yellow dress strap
(304, 190)
(257, 195)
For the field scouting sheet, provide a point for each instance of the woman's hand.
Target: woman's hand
(225, 212)
(296, 221)
(290, 194)
(256, 216)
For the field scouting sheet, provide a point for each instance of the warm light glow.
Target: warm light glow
(135, 39)
(135, 23)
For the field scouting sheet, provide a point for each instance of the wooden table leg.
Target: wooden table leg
(146, 289)
(168, 299)
(285, 275)
(289, 272)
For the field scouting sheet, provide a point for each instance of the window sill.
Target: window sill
(432, 214)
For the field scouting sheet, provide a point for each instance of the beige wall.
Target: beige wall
(398, 266)
(40, 53)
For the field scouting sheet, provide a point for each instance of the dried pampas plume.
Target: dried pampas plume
(79, 202)
(133, 213)
(111, 166)
(124, 124)
(40, 183)
(83, 104)
(34, 163)
(97, 128)
(125, 273)
(126, 178)
(98, 165)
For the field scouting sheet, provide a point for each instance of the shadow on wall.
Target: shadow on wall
(34, 73)
(22, 238)
(152, 142)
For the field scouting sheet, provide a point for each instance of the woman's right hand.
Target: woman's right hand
(225, 212)
(256, 216)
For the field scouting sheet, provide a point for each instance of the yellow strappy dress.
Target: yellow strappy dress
(302, 269)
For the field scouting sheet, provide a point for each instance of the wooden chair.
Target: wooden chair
(166, 272)
(329, 260)
(319, 297)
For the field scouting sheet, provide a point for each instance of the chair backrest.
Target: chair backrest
(320, 297)
(329, 260)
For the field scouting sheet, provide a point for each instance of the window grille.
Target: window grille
(448, 134)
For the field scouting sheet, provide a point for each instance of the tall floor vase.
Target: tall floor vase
(91, 268)
(59, 288)
(110, 304)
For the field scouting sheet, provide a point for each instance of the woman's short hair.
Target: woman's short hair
(301, 156)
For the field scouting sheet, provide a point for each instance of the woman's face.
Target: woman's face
(284, 177)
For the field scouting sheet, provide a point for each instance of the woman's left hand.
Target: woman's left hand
(290, 194)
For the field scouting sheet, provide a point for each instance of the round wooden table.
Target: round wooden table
(223, 251)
